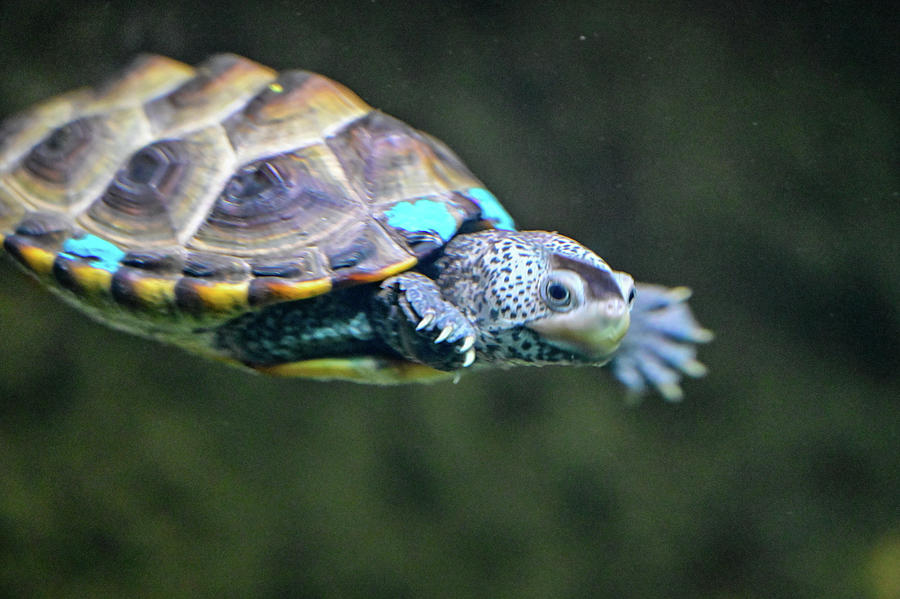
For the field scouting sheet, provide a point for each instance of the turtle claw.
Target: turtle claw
(445, 332)
(661, 345)
(427, 319)
(434, 322)
(467, 344)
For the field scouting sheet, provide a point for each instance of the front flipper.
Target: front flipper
(661, 344)
(421, 325)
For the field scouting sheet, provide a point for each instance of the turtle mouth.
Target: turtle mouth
(593, 330)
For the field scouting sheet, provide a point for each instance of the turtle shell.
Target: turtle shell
(213, 190)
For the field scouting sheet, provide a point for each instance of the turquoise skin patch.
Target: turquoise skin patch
(423, 215)
(100, 252)
(491, 209)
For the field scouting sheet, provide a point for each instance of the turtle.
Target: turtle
(277, 222)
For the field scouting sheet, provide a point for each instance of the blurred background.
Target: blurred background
(749, 151)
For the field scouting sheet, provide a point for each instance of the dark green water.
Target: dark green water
(750, 153)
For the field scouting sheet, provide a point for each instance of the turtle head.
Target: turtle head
(548, 299)
(588, 307)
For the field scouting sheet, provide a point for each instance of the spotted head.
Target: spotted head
(544, 298)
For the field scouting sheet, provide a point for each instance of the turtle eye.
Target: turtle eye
(631, 297)
(557, 295)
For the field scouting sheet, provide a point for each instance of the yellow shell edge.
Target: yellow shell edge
(360, 369)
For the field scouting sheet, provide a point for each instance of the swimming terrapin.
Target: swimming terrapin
(276, 221)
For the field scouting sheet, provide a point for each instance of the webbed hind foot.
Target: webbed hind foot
(660, 347)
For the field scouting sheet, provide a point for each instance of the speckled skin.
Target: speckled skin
(495, 277)
(485, 284)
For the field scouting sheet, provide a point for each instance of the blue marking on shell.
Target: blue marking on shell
(423, 215)
(491, 209)
(100, 252)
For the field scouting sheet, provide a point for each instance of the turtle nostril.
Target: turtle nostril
(614, 307)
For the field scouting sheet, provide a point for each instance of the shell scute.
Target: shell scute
(164, 260)
(29, 254)
(37, 238)
(364, 253)
(199, 296)
(46, 225)
(278, 278)
(278, 204)
(296, 110)
(270, 290)
(389, 161)
(160, 193)
(81, 276)
(215, 266)
(20, 133)
(75, 162)
(145, 290)
(288, 270)
(222, 85)
(146, 77)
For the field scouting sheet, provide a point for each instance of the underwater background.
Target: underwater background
(747, 150)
